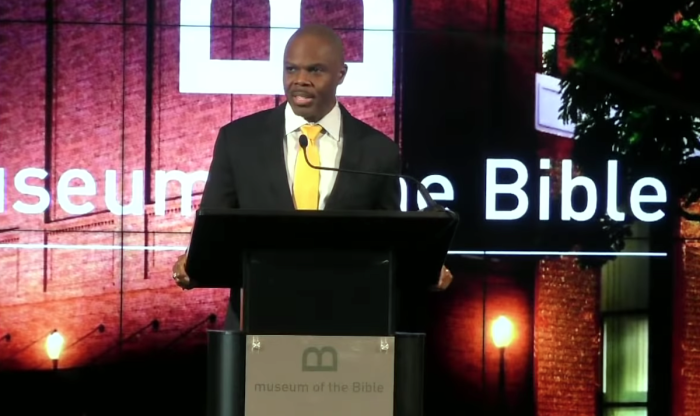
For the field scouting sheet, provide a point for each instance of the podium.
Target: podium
(321, 322)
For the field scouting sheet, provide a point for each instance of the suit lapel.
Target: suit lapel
(350, 158)
(273, 162)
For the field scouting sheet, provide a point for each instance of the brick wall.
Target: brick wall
(686, 358)
(99, 103)
(567, 339)
(22, 10)
(98, 106)
(22, 120)
(471, 15)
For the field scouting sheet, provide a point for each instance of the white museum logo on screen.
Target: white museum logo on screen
(200, 74)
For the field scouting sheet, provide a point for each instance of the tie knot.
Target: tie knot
(311, 131)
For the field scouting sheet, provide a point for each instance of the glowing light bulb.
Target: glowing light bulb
(502, 332)
(54, 345)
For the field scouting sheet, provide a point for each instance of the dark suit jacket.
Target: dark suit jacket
(248, 168)
(248, 171)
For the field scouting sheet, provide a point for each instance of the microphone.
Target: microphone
(432, 205)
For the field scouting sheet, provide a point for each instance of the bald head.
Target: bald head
(314, 66)
(321, 33)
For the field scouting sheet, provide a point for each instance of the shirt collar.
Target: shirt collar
(330, 122)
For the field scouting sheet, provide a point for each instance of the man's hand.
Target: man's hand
(445, 279)
(180, 276)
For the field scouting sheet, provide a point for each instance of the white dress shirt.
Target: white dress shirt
(329, 144)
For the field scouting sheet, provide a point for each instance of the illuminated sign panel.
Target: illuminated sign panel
(200, 74)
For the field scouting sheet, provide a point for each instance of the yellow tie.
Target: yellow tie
(307, 179)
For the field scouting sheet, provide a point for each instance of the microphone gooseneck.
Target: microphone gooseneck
(304, 143)
(432, 205)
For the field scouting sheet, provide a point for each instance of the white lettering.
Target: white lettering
(136, 206)
(636, 199)
(447, 194)
(515, 188)
(37, 191)
(200, 74)
(544, 190)
(612, 209)
(567, 189)
(186, 181)
(64, 191)
(404, 202)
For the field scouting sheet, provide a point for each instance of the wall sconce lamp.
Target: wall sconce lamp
(502, 332)
(54, 347)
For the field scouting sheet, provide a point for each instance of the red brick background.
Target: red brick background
(686, 358)
(567, 339)
(98, 104)
(99, 123)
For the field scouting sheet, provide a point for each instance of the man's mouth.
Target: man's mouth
(302, 99)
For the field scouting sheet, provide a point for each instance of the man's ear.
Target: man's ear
(343, 72)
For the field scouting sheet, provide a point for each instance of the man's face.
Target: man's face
(313, 69)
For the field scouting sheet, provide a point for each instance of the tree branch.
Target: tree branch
(690, 216)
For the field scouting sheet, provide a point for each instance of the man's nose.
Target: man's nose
(302, 78)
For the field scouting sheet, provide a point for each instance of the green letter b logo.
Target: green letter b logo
(317, 365)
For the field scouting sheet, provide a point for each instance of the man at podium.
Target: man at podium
(258, 162)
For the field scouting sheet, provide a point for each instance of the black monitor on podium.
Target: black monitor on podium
(320, 272)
